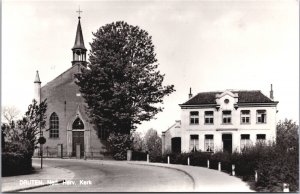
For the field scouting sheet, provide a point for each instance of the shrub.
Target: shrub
(274, 165)
(277, 167)
(118, 144)
(222, 157)
(199, 158)
(15, 163)
(139, 156)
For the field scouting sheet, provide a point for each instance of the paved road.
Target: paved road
(114, 176)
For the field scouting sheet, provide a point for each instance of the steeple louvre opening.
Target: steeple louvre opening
(79, 50)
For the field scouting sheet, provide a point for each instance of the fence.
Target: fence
(61, 152)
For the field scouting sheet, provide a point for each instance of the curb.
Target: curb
(169, 167)
(33, 187)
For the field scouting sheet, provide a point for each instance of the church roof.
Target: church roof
(79, 43)
(252, 96)
(37, 78)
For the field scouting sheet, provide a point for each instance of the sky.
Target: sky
(206, 45)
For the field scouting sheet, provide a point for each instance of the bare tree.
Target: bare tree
(10, 113)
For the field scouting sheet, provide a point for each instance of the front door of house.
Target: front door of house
(227, 143)
(176, 144)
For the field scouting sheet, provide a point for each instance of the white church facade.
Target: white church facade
(222, 121)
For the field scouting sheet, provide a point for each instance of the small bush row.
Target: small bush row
(139, 156)
(16, 163)
(273, 165)
(16, 158)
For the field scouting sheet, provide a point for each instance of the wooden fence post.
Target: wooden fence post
(219, 166)
(256, 177)
(286, 187)
(207, 163)
(168, 159)
(188, 161)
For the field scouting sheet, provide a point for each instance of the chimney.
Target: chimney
(271, 93)
(190, 94)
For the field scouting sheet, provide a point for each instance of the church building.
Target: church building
(67, 124)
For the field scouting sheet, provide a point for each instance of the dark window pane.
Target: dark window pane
(209, 112)
(245, 136)
(78, 124)
(227, 112)
(209, 136)
(261, 111)
(261, 136)
(194, 113)
(245, 112)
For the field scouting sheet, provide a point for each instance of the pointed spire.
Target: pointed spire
(37, 78)
(79, 43)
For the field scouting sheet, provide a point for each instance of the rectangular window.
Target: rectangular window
(245, 116)
(194, 142)
(226, 117)
(261, 116)
(194, 117)
(261, 138)
(209, 117)
(245, 141)
(209, 143)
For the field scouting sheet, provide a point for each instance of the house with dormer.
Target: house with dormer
(226, 120)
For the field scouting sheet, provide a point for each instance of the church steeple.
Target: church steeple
(79, 50)
(37, 88)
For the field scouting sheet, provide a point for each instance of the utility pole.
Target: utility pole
(41, 148)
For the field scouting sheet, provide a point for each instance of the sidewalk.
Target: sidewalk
(39, 178)
(206, 180)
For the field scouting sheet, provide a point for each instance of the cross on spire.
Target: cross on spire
(79, 11)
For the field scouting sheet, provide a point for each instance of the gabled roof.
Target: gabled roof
(79, 43)
(66, 76)
(244, 96)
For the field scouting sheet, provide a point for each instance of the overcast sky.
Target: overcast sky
(206, 45)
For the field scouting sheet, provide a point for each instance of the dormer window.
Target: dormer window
(226, 117)
(194, 117)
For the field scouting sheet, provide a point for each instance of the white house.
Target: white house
(227, 121)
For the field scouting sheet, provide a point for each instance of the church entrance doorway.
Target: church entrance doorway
(78, 136)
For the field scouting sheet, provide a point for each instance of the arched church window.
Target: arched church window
(54, 126)
(78, 124)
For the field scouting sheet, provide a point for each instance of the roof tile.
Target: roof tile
(254, 96)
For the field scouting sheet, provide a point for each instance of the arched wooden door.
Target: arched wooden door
(78, 136)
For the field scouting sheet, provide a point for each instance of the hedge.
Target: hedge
(274, 165)
(139, 156)
(16, 163)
